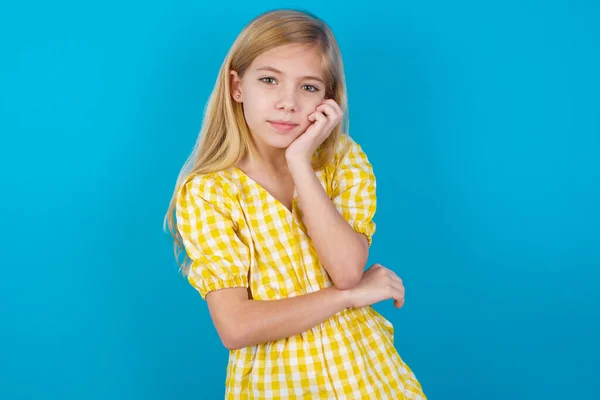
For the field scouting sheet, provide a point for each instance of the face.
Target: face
(284, 84)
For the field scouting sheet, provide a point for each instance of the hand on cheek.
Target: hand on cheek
(318, 111)
(323, 120)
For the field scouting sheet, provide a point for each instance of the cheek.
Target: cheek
(311, 102)
(260, 107)
(308, 107)
(253, 109)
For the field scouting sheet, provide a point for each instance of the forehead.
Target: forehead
(292, 59)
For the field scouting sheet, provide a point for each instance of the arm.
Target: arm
(342, 250)
(241, 322)
(219, 271)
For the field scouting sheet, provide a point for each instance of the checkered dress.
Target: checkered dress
(239, 235)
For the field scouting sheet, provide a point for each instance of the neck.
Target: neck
(271, 162)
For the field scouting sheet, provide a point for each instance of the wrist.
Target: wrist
(297, 162)
(301, 170)
(343, 296)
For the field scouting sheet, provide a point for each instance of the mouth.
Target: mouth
(283, 126)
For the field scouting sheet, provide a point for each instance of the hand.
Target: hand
(378, 283)
(325, 117)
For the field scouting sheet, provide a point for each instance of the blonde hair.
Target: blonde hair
(224, 138)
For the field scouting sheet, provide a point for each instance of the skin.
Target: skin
(282, 164)
(287, 83)
(267, 96)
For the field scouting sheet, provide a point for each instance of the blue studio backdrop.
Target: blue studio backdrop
(481, 121)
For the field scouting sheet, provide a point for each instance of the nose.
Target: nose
(287, 100)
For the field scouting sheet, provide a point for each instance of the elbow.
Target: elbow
(348, 280)
(231, 340)
(229, 345)
(227, 308)
(230, 332)
(235, 334)
(227, 340)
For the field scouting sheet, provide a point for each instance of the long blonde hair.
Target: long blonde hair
(224, 138)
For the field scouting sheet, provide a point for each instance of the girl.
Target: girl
(274, 212)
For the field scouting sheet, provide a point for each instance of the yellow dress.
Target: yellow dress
(238, 235)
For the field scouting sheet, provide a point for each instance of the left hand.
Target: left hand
(326, 116)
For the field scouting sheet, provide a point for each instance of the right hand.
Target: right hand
(378, 283)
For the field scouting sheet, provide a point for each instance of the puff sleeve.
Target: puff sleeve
(220, 258)
(354, 190)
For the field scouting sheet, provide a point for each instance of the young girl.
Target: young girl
(274, 212)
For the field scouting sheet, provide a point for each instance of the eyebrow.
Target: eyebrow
(267, 68)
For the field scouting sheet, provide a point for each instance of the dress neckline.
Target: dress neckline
(268, 194)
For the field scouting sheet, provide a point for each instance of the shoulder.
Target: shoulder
(216, 188)
(350, 156)
(349, 151)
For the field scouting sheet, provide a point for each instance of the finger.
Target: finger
(394, 276)
(376, 266)
(333, 104)
(398, 300)
(398, 279)
(398, 293)
(329, 111)
(398, 288)
(326, 108)
(318, 116)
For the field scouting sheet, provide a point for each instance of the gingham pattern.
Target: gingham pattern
(238, 235)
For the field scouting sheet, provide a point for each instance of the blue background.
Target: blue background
(481, 121)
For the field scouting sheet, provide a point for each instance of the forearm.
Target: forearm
(340, 248)
(260, 321)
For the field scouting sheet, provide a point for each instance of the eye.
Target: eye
(266, 79)
(312, 88)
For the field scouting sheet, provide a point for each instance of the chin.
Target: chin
(278, 140)
(281, 142)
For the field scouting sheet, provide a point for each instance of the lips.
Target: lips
(283, 126)
(283, 122)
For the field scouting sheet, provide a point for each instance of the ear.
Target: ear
(236, 86)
